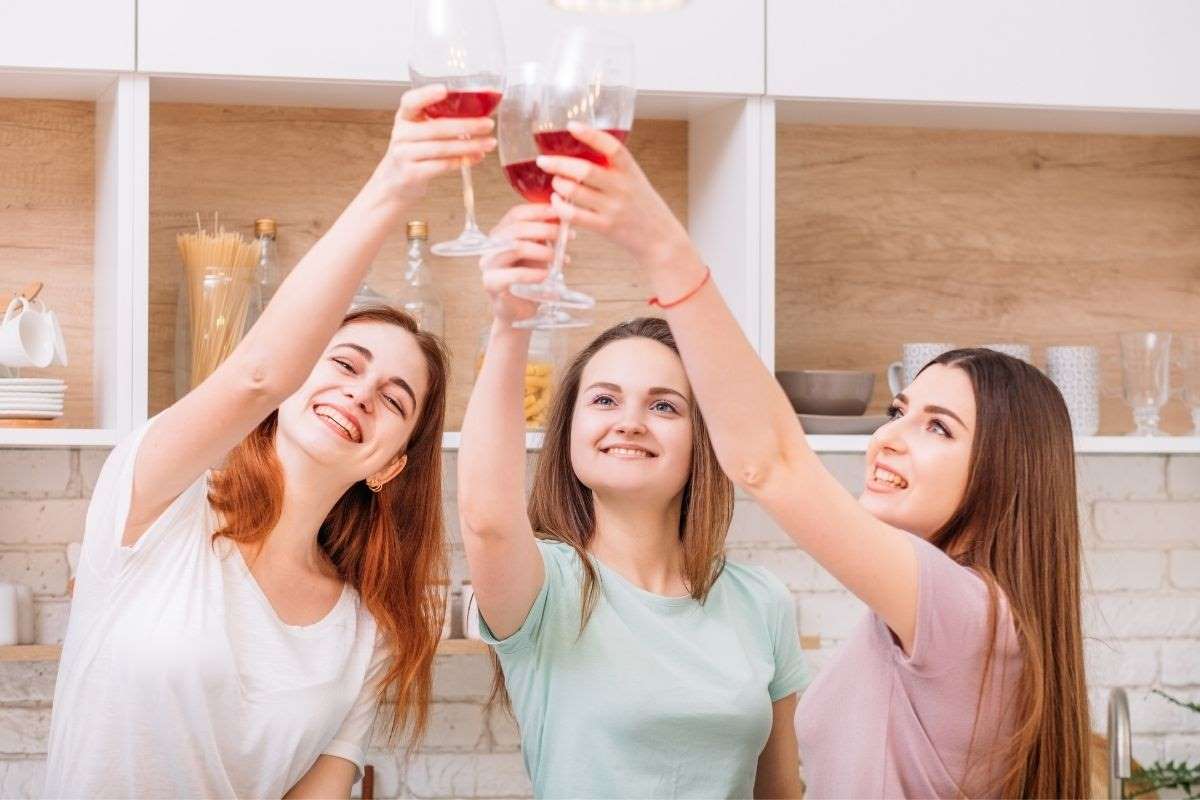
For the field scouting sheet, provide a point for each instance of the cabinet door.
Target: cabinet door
(707, 46)
(1089, 53)
(95, 34)
(350, 39)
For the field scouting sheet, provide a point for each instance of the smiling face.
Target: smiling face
(631, 429)
(917, 464)
(357, 410)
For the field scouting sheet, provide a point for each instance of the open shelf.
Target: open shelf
(67, 167)
(891, 234)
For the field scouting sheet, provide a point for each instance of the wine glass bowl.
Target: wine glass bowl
(458, 43)
(1145, 373)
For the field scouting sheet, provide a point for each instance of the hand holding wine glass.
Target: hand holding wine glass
(617, 201)
(420, 148)
(529, 227)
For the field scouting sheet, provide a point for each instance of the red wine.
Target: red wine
(530, 181)
(465, 104)
(562, 143)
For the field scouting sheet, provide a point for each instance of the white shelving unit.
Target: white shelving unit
(730, 69)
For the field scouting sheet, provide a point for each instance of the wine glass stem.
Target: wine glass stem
(468, 197)
(560, 254)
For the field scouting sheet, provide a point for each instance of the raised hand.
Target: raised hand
(531, 228)
(422, 148)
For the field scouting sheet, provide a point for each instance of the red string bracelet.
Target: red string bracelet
(654, 301)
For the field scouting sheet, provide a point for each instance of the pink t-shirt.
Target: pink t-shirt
(879, 723)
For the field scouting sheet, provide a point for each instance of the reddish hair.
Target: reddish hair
(389, 546)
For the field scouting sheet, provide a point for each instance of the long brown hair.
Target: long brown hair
(561, 507)
(388, 545)
(1018, 526)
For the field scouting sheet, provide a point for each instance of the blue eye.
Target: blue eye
(603, 399)
(663, 405)
(940, 429)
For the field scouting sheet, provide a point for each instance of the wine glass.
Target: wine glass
(458, 43)
(1146, 372)
(518, 157)
(1191, 378)
(590, 81)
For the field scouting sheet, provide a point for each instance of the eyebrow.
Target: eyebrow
(395, 379)
(654, 390)
(937, 410)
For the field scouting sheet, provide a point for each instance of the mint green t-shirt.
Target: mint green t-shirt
(659, 697)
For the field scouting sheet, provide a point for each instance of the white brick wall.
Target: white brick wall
(1141, 522)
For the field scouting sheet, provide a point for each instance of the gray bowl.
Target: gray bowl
(830, 392)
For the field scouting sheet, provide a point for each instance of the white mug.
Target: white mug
(10, 624)
(26, 336)
(915, 356)
(1021, 351)
(1076, 373)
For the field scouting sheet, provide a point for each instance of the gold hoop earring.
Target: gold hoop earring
(374, 484)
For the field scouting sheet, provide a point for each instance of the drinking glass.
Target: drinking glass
(458, 43)
(590, 80)
(1146, 376)
(518, 156)
(1191, 378)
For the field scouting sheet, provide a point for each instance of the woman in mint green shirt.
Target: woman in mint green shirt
(639, 662)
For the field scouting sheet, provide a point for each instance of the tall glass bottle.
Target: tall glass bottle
(267, 275)
(418, 297)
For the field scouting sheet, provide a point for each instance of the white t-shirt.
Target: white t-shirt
(177, 677)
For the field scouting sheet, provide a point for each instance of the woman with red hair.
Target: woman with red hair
(262, 561)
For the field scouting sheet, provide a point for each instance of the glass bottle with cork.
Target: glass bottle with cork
(418, 297)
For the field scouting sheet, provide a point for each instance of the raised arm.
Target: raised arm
(277, 354)
(506, 567)
(755, 432)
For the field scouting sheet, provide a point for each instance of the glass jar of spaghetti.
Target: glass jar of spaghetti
(547, 353)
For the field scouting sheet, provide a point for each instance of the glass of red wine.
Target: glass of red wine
(518, 156)
(590, 80)
(458, 43)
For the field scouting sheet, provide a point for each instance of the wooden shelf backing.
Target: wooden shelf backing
(47, 178)
(886, 235)
(31, 652)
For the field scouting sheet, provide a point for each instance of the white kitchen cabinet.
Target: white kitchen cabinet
(1118, 54)
(710, 46)
(52, 34)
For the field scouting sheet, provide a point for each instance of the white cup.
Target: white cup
(26, 336)
(1021, 351)
(10, 620)
(915, 355)
(1076, 373)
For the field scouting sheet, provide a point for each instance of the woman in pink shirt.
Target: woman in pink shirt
(966, 677)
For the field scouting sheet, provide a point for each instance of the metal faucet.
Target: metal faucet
(1120, 744)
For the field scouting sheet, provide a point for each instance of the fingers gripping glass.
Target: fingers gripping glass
(458, 43)
(589, 80)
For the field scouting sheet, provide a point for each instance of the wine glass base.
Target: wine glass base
(556, 295)
(471, 243)
(549, 318)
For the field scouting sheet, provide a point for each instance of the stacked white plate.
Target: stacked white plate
(31, 398)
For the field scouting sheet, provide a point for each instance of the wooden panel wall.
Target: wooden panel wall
(46, 227)
(888, 235)
(302, 165)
